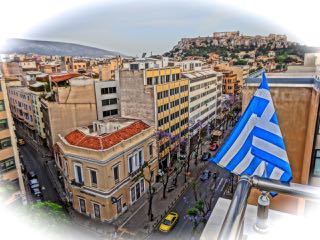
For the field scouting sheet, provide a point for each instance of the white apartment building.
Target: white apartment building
(190, 65)
(146, 63)
(205, 95)
(108, 104)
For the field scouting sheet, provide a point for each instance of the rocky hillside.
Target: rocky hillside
(49, 48)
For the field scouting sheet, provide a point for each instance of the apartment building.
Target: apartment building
(70, 64)
(101, 166)
(108, 104)
(190, 65)
(10, 167)
(21, 105)
(205, 95)
(159, 96)
(50, 67)
(146, 63)
(296, 98)
(230, 79)
(71, 104)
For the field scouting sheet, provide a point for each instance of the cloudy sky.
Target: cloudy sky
(136, 26)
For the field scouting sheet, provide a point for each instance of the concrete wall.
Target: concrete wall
(66, 117)
(76, 107)
(137, 100)
(99, 97)
(295, 107)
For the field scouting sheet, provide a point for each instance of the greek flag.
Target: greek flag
(255, 146)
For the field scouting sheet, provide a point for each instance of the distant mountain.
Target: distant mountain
(16, 45)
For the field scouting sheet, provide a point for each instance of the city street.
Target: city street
(184, 228)
(33, 161)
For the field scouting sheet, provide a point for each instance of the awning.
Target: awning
(37, 84)
(217, 133)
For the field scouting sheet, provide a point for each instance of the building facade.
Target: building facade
(68, 107)
(230, 79)
(101, 166)
(205, 94)
(21, 105)
(108, 104)
(10, 166)
(160, 97)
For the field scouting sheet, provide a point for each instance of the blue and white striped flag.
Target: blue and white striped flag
(255, 146)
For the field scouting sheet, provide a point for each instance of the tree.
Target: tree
(199, 210)
(163, 172)
(148, 177)
(164, 179)
(188, 160)
(201, 134)
(194, 185)
(177, 169)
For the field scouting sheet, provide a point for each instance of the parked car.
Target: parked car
(36, 192)
(183, 156)
(34, 183)
(205, 175)
(169, 222)
(206, 156)
(21, 142)
(31, 175)
(213, 146)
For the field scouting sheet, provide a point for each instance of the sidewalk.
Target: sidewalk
(135, 222)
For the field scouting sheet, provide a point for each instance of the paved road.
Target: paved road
(33, 161)
(184, 228)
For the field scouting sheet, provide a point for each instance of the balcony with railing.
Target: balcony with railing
(76, 183)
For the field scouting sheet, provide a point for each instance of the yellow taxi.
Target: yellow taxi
(169, 222)
(21, 141)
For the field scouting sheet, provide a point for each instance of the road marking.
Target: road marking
(220, 181)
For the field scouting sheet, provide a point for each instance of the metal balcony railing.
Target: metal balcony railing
(232, 227)
(75, 183)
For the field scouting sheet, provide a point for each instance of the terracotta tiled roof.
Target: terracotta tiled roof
(80, 139)
(63, 77)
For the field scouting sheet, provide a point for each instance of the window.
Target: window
(135, 161)
(3, 124)
(111, 101)
(149, 81)
(116, 173)
(142, 185)
(151, 150)
(133, 194)
(82, 204)
(137, 190)
(2, 107)
(7, 165)
(110, 112)
(108, 90)
(119, 206)
(94, 180)
(316, 169)
(78, 173)
(4, 143)
(96, 208)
